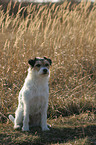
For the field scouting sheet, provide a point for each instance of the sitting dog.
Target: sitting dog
(33, 97)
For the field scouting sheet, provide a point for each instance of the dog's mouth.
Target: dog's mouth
(45, 74)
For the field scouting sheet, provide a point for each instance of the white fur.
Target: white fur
(33, 101)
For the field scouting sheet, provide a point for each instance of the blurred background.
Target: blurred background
(46, 1)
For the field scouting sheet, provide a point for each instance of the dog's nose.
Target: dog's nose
(45, 71)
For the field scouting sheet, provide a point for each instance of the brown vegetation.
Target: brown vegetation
(67, 34)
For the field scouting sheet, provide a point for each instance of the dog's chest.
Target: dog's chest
(39, 89)
(39, 94)
(36, 93)
(37, 104)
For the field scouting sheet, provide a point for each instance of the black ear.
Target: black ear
(49, 60)
(31, 62)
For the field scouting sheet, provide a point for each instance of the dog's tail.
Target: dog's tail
(11, 118)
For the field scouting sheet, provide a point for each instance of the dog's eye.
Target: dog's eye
(38, 65)
(46, 64)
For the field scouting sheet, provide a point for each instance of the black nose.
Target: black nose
(45, 71)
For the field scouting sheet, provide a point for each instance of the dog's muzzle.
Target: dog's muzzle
(44, 71)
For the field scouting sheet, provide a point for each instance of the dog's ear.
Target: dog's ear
(49, 60)
(32, 62)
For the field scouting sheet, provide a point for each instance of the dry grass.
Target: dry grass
(67, 34)
(77, 129)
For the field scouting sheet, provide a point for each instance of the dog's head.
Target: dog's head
(40, 65)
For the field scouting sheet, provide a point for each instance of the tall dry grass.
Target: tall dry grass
(67, 34)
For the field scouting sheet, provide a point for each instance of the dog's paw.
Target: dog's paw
(16, 126)
(25, 128)
(45, 128)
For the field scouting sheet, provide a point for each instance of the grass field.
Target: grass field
(66, 33)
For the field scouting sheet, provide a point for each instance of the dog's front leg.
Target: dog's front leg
(26, 117)
(44, 120)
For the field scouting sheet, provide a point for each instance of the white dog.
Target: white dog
(33, 97)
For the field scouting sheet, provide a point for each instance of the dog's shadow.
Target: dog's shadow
(62, 135)
(56, 134)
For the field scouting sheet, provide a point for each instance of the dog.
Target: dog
(33, 97)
